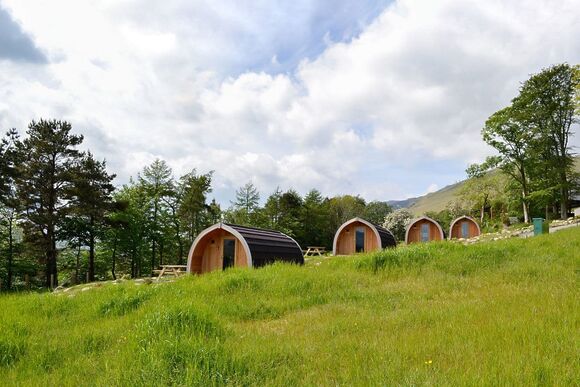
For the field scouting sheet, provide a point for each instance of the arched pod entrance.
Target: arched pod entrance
(464, 227)
(227, 245)
(359, 235)
(424, 229)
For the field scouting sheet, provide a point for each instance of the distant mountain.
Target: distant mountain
(438, 200)
(396, 204)
(434, 201)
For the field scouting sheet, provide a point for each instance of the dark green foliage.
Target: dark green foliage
(533, 135)
(44, 180)
(91, 201)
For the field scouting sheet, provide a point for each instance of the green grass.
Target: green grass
(497, 313)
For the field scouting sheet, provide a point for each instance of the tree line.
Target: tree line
(532, 174)
(62, 221)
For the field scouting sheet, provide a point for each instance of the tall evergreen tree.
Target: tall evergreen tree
(157, 181)
(10, 157)
(91, 201)
(246, 204)
(45, 177)
(314, 219)
(193, 209)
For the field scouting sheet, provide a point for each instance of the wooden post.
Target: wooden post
(0, 284)
(87, 277)
(27, 281)
(52, 281)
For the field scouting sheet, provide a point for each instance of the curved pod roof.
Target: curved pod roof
(428, 219)
(261, 246)
(462, 218)
(384, 237)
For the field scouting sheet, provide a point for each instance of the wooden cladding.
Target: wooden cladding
(359, 235)
(228, 245)
(208, 253)
(346, 242)
(464, 227)
(424, 230)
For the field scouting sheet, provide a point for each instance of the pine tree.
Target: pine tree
(91, 201)
(45, 177)
(157, 181)
(10, 157)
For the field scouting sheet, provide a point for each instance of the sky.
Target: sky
(382, 99)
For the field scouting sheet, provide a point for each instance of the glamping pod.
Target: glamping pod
(358, 235)
(464, 227)
(424, 229)
(228, 245)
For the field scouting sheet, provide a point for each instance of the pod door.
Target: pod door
(360, 240)
(229, 253)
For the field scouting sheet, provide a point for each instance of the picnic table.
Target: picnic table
(311, 251)
(176, 270)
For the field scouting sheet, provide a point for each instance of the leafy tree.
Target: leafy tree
(273, 210)
(45, 176)
(376, 211)
(128, 240)
(547, 102)
(90, 195)
(507, 133)
(482, 187)
(290, 214)
(397, 222)
(314, 220)
(214, 212)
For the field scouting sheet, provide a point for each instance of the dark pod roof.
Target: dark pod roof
(268, 246)
(387, 239)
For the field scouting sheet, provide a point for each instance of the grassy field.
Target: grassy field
(497, 313)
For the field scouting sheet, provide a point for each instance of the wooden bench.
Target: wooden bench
(176, 270)
(312, 251)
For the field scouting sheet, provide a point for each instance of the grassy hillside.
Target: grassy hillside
(437, 201)
(441, 314)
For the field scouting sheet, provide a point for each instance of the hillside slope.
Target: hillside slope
(437, 201)
(497, 313)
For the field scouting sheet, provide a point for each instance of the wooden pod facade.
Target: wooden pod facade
(228, 245)
(464, 227)
(359, 235)
(424, 229)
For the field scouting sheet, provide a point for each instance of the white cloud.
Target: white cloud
(372, 115)
(432, 188)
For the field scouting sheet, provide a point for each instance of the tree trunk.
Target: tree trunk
(564, 203)
(10, 253)
(78, 264)
(113, 258)
(91, 251)
(51, 269)
(133, 271)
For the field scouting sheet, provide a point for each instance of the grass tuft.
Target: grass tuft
(495, 313)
